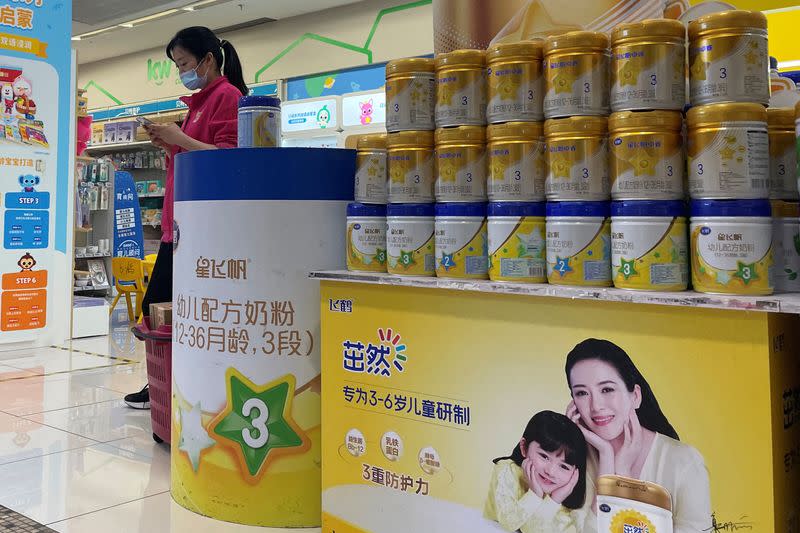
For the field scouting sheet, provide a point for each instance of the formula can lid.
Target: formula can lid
(516, 209)
(356, 209)
(648, 208)
(578, 209)
(410, 210)
(259, 101)
(586, 40)
(461, 210)
(731, 208)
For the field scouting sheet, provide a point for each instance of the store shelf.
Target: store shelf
(97, 256)
(89, 289)
(779, 303)
(119, 146)
(161, 195)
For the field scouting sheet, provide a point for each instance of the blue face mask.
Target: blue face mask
(192, 81)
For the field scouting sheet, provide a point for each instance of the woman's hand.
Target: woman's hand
(166, 134)
(627, 455)
(562, 493)
(530, 477)
(604, 449)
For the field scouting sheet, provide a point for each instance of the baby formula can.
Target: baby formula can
(786, 245)
(647, 161)
(576, 74)
(728, 58)
(259, 122)
(782, 154)
(409, 240)
(371, 187)
(461, 164)
(410, 164)
(648, 65)
(461, 88)
(517, 242)
(366, 237)
(410, 94)
(517, 163)
(649, 245)
(461, 241)
(579, 244)
(515, 82)
(731, 244)
(728, 151)
(626, 504)
(577, 159)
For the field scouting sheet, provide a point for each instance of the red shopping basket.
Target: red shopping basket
(158, 344)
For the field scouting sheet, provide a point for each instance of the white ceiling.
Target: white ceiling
(224, 14)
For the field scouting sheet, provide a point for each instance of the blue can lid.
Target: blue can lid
(366, 210)
(409, 210)
(793, 75)
(731, 208)
(259, 101)
(461, 210)
(648, 208)
(578, 209)
(516, 209)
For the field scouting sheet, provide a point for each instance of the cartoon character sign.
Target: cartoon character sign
(23, 90)
(26, 263)
(7, 94)
(28, 182)
(366, 112)
(324, 117)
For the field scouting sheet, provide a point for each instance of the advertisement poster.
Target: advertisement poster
(447, 411)
(128, 232)
(367, 108)
(35, 181)
(312, 115)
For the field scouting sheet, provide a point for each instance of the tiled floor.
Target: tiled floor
(73, 457)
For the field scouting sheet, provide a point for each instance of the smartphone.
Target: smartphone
(144, 121)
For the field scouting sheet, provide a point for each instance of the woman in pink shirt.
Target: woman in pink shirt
(210, 66)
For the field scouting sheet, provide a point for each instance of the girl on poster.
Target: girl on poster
(629, 435)
(541, 486)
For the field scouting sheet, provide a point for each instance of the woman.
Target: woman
(210, 66)
(620, 417)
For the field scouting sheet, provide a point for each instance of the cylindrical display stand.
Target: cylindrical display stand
(249, 226)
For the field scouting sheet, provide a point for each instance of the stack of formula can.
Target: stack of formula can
(731, 178)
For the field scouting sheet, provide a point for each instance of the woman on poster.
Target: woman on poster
(628, 434)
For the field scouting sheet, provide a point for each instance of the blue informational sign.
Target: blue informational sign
(36, 172)
(128, 234)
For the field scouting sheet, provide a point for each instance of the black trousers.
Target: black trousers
(159, 288)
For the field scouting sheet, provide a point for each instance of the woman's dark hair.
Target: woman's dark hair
(555, 432)
(649, 412)
(199, 41)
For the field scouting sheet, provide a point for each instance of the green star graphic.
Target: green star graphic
(407, 259)
(380, 255)
(746, 272)
(628, 268)
(257, 420)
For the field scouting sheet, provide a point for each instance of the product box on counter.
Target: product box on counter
(109, 133)
(702, 402)
(160, 315)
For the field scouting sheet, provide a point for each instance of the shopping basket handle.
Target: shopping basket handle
(150, 335)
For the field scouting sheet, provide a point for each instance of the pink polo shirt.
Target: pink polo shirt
(212, 119)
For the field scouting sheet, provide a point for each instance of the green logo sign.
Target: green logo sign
(159, 71)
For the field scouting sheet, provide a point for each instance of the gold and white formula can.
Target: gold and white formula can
(728, 151)
(646, 155)
(728, 58)
(515, 82)
(461, 88)
(732, 247)
(786, 245)
(625, 504)
(517, 163)
(576, 74)
(410, 94)
(648, 65)
(460, 164)
(577, 159)
(410, 165)
(782, 154)
(371, 186)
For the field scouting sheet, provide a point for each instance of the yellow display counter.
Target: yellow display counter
(430, 386)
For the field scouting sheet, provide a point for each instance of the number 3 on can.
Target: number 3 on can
(258, 435)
